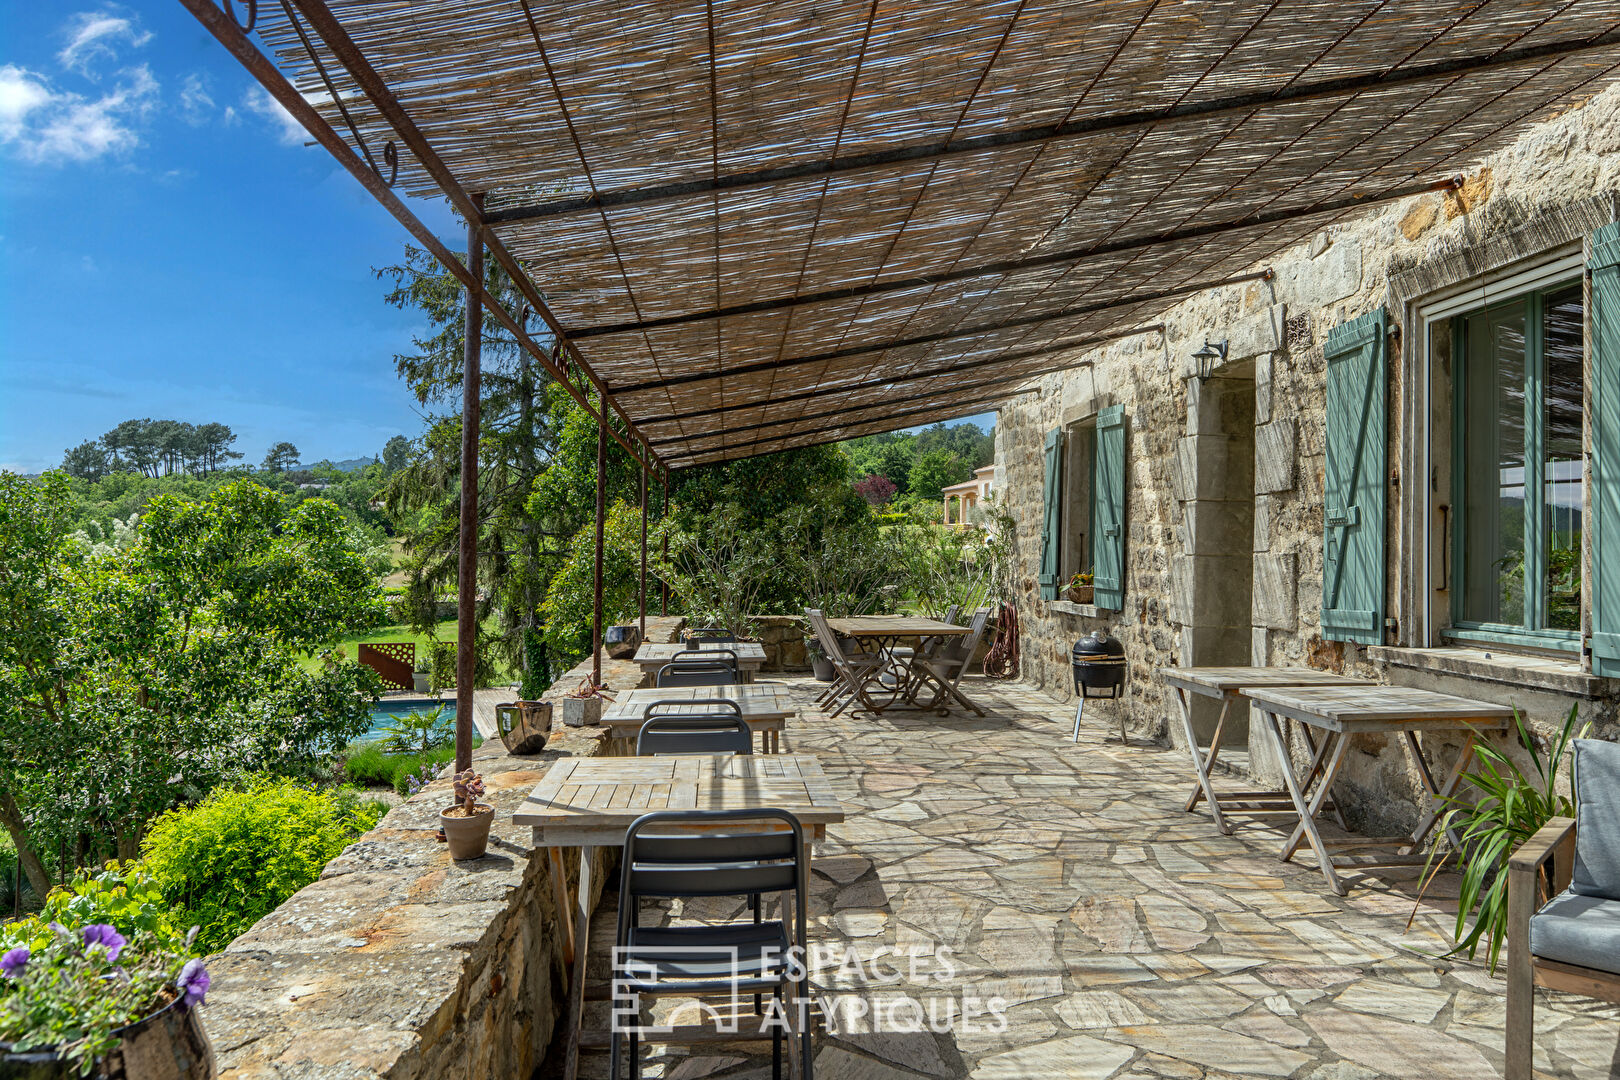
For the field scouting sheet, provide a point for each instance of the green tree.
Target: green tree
(281, 457)
(935, 470)
(87, 461)
(137, 679)
(396, 454)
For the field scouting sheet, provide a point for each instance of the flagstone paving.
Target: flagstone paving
(1095, 930)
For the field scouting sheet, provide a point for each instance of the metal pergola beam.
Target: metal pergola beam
(946, 335)
(824, 436)
(913, 376)
(952, 390)
(1011, 266)
(1345, 86)
(343, 47)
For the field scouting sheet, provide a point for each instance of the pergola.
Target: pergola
(749, 225)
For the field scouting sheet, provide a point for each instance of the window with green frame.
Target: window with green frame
(1517, 458)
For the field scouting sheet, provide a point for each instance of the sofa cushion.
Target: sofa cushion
(1580, 930)
(1597, 819)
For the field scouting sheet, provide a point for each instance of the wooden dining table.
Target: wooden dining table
(884, 634)
(588, 803)
(765, 709)
(651, 657)
(1339, 713)
(1227, 684)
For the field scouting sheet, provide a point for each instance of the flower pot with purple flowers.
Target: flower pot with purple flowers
(128, 992)
(466, 824)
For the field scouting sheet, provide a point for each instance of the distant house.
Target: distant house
(967, 495)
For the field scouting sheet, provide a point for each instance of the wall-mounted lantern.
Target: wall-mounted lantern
(1209, 357)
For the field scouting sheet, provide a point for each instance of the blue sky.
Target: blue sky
(169, 248)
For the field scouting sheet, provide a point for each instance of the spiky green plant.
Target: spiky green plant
(1505, 808)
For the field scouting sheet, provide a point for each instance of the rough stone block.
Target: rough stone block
(1262, 523)
(1329, 277)
(1275, 456)
(1276, 585)
(1216, 528)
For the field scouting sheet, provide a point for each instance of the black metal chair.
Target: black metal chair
(665, 859)
(710, 633)
(687, 673)
(711, 704)
(703, 733)
(706, 656)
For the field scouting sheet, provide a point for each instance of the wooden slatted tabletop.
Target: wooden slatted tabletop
(1378, 708)
(1223, 680)
(655, 656)
(592, 801)
(894, 626)
(757, 701)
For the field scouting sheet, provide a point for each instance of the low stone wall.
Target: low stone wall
(400, 963)
(783, 638)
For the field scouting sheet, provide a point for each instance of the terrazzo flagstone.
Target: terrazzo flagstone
(1097, 931)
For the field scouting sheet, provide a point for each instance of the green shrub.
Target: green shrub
(123, 895)
(442, 665)
(370, 765)
(232, 858)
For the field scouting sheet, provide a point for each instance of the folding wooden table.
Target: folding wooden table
(1227, 684)
(1342, 711)
(882, 634)
(750, 655)
(589, 803)
(765, 709)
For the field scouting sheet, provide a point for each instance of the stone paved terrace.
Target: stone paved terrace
(1131, 939)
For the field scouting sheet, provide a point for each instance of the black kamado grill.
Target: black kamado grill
(1099, 671)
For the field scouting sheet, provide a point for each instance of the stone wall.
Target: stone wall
(400, 963)
(1254, 434)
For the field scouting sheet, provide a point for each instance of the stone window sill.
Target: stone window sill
(1085, 611)
(1558, 676)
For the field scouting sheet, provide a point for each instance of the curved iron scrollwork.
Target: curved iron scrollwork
(390, 154)
(252, 14)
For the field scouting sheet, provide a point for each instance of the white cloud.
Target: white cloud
(48, 126)
(289, 131)
(195, 101)
(97, 35)
(22, 93)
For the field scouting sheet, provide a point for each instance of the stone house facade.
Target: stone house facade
(1208, 507)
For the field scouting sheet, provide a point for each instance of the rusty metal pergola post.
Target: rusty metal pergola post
(663, 577)
(596, 573)
(467, 556)
(641, 591)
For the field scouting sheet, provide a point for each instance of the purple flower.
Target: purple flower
(193, 983)
(14, 962)
(108, 938)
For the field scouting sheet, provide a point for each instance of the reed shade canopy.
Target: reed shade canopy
(775, 223)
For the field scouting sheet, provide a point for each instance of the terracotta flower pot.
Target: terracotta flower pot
(168, 1045)
(468, 837)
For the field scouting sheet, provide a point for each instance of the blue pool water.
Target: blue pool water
(387, 711)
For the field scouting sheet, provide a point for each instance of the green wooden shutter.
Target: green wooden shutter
(1108, 509)
(1353, 496)
(1603, 414)
(1052, 494)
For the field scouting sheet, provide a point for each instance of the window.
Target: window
(1517, 468)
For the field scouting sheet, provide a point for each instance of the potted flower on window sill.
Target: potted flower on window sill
(100, 999)
(1080, 588)
(466, 824)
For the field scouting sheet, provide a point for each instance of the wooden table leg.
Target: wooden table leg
(1438, 796)
(559, 892)
(1203, 790)
(582, 952)
(1339, 743)
(1307, 824)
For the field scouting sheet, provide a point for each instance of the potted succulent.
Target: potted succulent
(102, 985)
(819, 664)
(422, 677)
(1080, 588)
(583, 705)
(466, 823)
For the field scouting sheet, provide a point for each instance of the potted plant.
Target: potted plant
(583, 705)
(422, 678)
(466, 823)
(819, 664)
(101, 984)
(1080, 588)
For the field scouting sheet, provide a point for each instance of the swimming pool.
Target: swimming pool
(388, 710)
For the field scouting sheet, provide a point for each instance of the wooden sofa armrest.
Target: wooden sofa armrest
(1558, 833)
